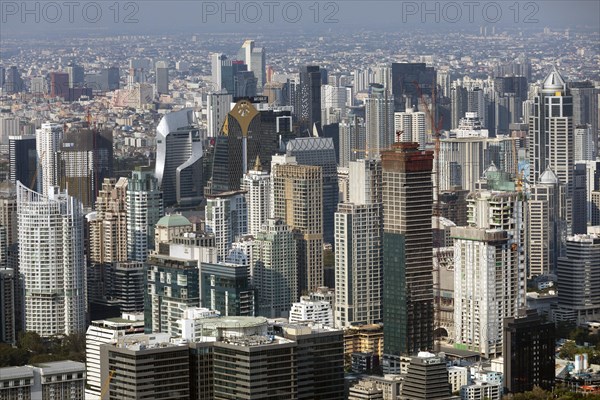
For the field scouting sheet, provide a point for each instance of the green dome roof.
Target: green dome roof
(173, 220)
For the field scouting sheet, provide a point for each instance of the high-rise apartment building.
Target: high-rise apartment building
(84, 159)
(489, 270)
(275, 269)
(298, 201)
(172, 285)
(551, 135)
(379, 120)
(227, 219)
(48, 140)
(407, 194)
(320, 151)
(426, 379)
(8, 304)
(358, 248)
(52, 261)
(23, 160)
(144, 209)
(257, 185)
(179, 158)
(546, 227)
(412, 125)
(353, 139)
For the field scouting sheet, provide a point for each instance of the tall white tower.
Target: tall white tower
(48, 140)
(257, 185)
(52, 261)
(379, 120)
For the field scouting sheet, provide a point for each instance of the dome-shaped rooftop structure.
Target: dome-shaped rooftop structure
(173, 220)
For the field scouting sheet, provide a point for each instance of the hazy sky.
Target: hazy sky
(199, 16)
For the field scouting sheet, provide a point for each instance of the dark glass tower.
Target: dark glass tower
(23, 160)
(404, 76)
(528, 353)
(407, 251)
(308, 108)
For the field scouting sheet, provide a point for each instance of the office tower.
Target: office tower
(578, 273)
(227, 219)
(52, 225)
(585, 108)
(333, 103)
(379, 120)
(458, 104)
(298, 200)
(412, 126)
(245, 134)
(108, 79)
(319, 151)
(245, 84)
(244, 363)
(9, 126)
(76, 75)
(275, 269)
(23, 160)
(520, 66)
(254, 57)
(2, 76)
(358, 248)
(353, 139)
(8, 303)
(102, 332)
(48, 140)
(584, 143)
(178, 158)
(545, 226)
(489, 270)
(161, 75)
(529, 347)
(218, 104)
(320, 362)
(551, 135)
(225, 287)
(59, 85)
(404, 91)
(218, 61)
(308, 106)
(83, 160)
(144, 209)
(108, 224)
(172, 286)
(426, 379)
(13, 83)
(579, 199)
(476, 103)
(443, 81)
(257, 184)
(407, 193)
(145, 366)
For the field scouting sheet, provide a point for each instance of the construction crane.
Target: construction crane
(436, 126)
(106, 384)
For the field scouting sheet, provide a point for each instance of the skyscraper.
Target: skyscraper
(529, 353)
(308, 106)
(245, 134)
(275, 269)
(319, 151)
(407, 251)
(59, 85)
(52, 261)
(227, 219)
(144, 209)
(225, 287)
(404, 90)
(353, 139)
(358, 248)
(76, 75)
(161, 73)
(551, 135)
(489, 270)
(254, 57)
(48, 140)
(379, 120)
(13, 83)
(179, 158)
(23, 160)
(298, 200)
(426, 379)
(218, 104)
(412, 125)
(83, 160)
(257, 185)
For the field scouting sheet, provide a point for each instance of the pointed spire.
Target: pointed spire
(257, 164)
